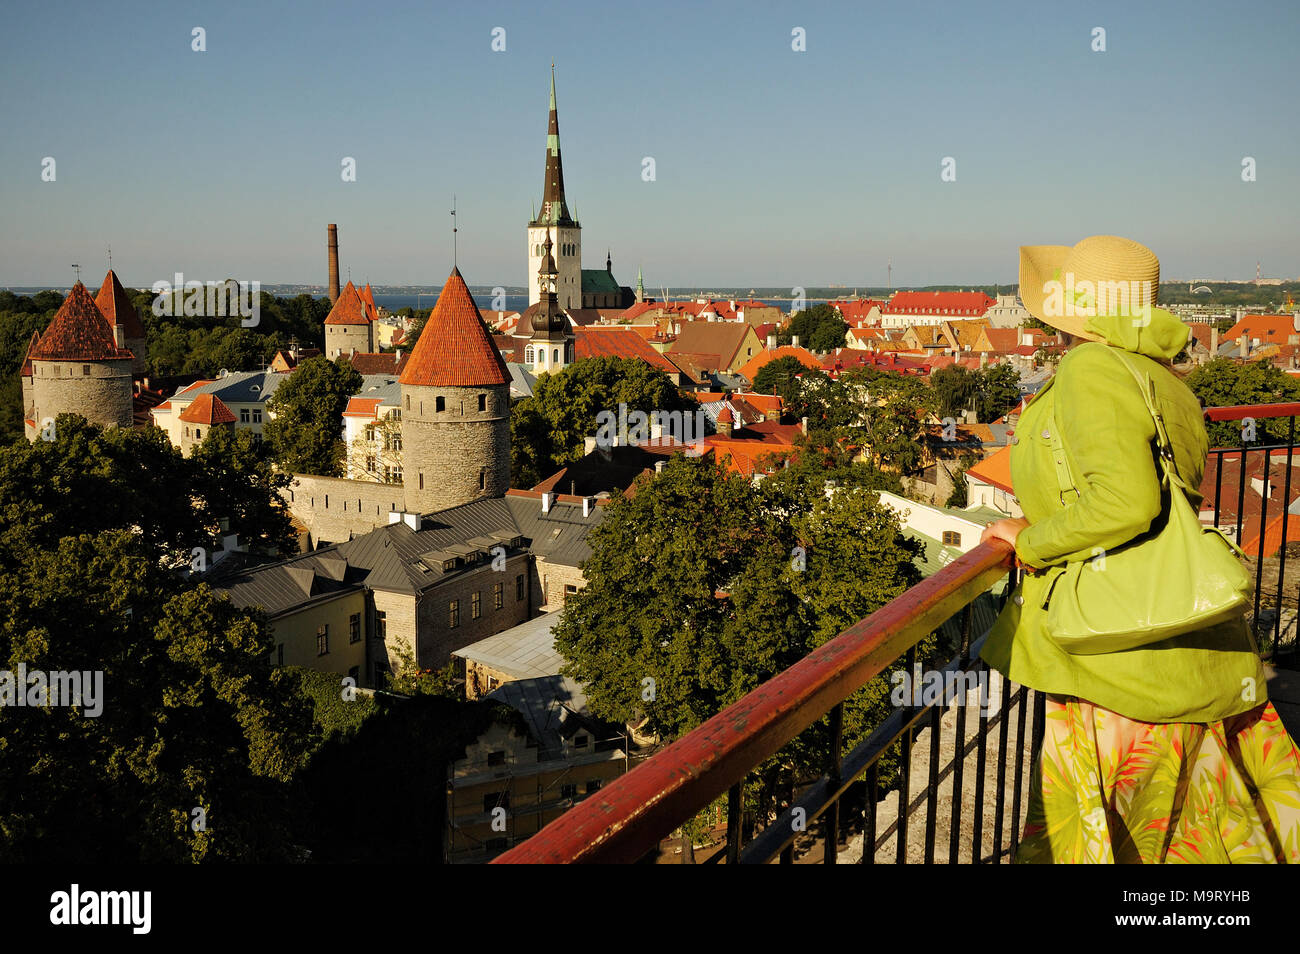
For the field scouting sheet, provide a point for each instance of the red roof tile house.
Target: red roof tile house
(205, 412)
(910, 308)
(734, 342)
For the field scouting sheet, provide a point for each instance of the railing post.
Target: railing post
(1281, 565)
(733, 823)
(959, 751)
(835, 762)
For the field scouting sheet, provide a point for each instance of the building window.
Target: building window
(354, 628)
(323, 640)
(408, 402)
(555, 356)
(519, 587)
(370, 464)
(498, 598)
(568, 791)
(243, 415)
(421, 480)
(482, 402)
(370, 432)
(593, 785)
(378, 676)
(257, 415)
(279, 654)
(497, 758)
(528, 355)
(476, 605)
(381, 624)
(85, 370)
(951, 538)
(198, 432)
(569, 589)
(580, 741)
(393, 442)
(440, 404)
(453, 614)
(482, 478)
(396, 414)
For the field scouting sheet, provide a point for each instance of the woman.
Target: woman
(1169, 752)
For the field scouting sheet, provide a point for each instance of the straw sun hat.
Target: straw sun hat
(1064, 286)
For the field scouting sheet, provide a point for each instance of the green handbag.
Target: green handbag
(1177, 577)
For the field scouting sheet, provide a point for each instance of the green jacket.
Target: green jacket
(1109, 440)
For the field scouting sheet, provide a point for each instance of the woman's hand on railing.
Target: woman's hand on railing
(1006, 530)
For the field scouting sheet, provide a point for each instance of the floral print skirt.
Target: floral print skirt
(1106, 789)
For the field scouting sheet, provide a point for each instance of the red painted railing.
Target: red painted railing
(634, 813)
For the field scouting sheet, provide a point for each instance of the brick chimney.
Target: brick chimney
(1243, 346)
(333, 231)
(1214, 340)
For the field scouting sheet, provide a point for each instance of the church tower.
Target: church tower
(552, 344)
(455, 408)
(81, 365)
(555, 218)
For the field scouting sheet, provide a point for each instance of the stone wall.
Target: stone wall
(334, 510)
(341, 339)
(438, 639)
(100, 391)
(457, 454)
(552, 578)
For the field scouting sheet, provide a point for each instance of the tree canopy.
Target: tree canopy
(990, 392)
(1223, 382)
(305, 417)
(547, 429)
(819, 328)
(193, 715)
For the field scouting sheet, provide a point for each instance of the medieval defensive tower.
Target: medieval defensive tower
(455, 408)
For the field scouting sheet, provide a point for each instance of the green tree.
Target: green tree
(1223, 383)
(548, 429)
(234, 480)
(780, 377)
(305, 417)
(819, 328)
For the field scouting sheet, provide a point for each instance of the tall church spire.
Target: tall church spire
(555, 211)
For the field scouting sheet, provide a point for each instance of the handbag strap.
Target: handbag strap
(1147, 388)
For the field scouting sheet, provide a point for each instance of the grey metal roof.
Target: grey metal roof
(551, 705)
(526, 651)
(521, 382)
(240, 387)
(292, 583)
(559, 536)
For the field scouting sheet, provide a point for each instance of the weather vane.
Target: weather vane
(77, 269)
(454, 261)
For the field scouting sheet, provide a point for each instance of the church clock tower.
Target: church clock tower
(552, 344)
(554, 219)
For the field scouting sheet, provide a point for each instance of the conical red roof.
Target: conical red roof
(116, 305)
(349, 309)
(78, 332)
(368, 296)
(208, 409)
(26, 371)
(455, 349)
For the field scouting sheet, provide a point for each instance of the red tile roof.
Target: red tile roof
(455, 348)
(725, 416)
(78, 332)
(959, 304)
(377, 363)
(593, 342)
(995, 469)
(349, 309)
(207, 409)
(1267, 328)
(749, 370)
(26, 370)
(116, 305)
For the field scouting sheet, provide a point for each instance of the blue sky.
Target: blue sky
(773, 167)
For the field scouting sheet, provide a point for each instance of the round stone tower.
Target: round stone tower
(455, 408)
(348, 327)
(81, 365)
